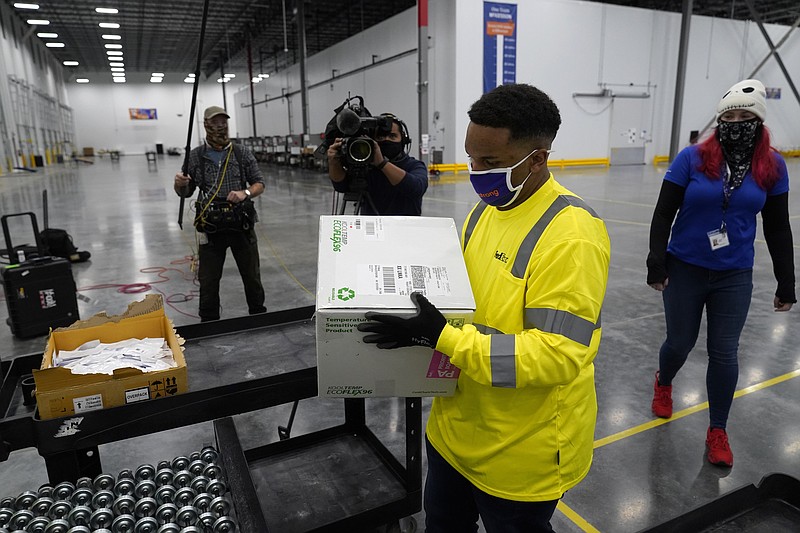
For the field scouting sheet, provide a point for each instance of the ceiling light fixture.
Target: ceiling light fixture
(113, 46)
(82, 80)
(107, 10)
(157, 74)
(71, 63)
(156, 79)
(230, 75)
(188, 80)
(119, 80)
(19, 5)
(190, 75)
(47, 35)
(55, 45)
(256, 79)
(117, 69)
(111, 37)
(110, 25)
(112, 53)
(36, 22)
(116, 64)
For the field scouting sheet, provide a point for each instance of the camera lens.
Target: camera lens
(360, 150)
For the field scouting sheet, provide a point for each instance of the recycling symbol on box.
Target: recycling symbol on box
(345, 294)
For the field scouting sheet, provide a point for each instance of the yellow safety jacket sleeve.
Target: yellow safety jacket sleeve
(555, 330)
(521, 423)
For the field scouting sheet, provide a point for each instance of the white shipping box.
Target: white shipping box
(369, 263)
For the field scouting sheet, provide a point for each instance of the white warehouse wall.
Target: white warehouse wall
(563, 47)
(103, 121)
(566, 46)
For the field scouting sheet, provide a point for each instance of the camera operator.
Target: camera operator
(395, 182)
(228, 178)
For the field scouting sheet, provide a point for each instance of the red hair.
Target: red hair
(764, 167)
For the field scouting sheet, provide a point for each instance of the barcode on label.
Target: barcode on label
(369, 228)
(388, 280)
(418, 277)
(357, 223)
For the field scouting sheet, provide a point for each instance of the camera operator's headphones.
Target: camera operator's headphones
(405, 137)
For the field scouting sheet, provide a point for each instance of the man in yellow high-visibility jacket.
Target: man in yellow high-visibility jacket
(518, 432)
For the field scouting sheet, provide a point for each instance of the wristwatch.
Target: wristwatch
(248, 193)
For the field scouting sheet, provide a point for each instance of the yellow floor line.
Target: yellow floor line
(691, 410)
(599, 443)
(576, 518)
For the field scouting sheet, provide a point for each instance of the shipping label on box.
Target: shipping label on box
(374, 264)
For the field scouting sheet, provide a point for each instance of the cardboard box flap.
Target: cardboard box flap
(152, 304)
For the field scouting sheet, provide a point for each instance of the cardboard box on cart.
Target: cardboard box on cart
(60, 393)
(374, 264)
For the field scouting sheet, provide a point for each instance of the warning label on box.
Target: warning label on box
(137, 395)
(88, 403)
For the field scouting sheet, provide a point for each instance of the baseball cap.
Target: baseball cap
(213, 111)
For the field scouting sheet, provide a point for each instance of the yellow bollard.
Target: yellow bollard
(33, 161)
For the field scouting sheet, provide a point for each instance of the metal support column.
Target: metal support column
(680, 80)
(301, 42)
(422, 81)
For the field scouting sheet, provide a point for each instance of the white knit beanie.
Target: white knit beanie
(749, 95)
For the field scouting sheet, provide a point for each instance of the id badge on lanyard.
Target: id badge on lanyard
(718, 238)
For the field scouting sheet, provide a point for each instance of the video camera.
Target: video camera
(357, 128)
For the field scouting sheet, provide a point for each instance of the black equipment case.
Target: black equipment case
(40, 291)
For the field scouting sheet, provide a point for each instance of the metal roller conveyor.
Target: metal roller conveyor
(234, 366)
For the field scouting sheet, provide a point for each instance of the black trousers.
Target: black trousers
(453, 504)
(244, 246)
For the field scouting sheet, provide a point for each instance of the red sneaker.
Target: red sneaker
(662, 400)
(719, 451)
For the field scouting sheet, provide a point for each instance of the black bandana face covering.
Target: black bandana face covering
(738, 140)
(217, 136)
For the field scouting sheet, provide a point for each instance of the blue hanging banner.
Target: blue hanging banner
(499, 44)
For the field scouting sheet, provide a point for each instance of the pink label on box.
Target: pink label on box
(440, 367)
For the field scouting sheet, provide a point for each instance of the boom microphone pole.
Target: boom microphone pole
(185, 167)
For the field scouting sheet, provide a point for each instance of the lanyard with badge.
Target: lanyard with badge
(718, 238)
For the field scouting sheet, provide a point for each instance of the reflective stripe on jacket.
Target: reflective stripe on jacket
(521, 424)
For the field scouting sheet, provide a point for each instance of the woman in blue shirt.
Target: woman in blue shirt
(717, 188)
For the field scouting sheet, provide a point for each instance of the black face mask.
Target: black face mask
(391, 149)
(738, 140)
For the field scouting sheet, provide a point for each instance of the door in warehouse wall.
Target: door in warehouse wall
(628, 130)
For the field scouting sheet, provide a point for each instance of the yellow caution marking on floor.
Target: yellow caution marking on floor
(691, 410)
(599, 443)
(577, 519)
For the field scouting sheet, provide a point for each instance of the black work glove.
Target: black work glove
(392, 331)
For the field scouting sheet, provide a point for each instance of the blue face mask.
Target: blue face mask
(494, 185)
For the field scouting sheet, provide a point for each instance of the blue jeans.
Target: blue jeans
(725, 294)
(452, 504)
